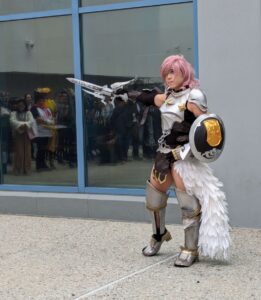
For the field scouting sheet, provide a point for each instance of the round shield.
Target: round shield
(207, 137)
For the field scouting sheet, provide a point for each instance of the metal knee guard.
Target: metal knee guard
(156, 203)
(190, 208)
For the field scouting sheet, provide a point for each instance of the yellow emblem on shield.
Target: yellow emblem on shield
(214, 135)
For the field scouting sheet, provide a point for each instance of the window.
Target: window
(117, 46)
(38, 58)
(18, 6)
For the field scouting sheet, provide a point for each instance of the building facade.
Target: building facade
(96, 158)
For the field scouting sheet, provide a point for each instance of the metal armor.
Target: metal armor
(190, 208)
(156, 203)
(171, 111)
(198, 97)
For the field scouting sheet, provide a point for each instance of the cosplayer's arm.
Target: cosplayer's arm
(151, 97)
(195, 109)
(159, 99)
(197, 102)
(147, 96)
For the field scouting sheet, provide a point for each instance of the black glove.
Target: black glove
(179, 134)
(147, 96)
(121, 91)
(122, 94)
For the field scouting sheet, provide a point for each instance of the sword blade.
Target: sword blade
(104, 90)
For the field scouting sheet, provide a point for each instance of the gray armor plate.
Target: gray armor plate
(207, 137)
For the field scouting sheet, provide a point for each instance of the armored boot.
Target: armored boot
(156, 203)
(190, 208)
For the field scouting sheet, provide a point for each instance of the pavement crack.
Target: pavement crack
(112, 283)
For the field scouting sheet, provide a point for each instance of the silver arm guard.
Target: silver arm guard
(199, 98)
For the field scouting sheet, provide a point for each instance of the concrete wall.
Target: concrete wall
(229, 36)
(114, 207)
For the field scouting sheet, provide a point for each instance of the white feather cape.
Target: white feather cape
(214, 240)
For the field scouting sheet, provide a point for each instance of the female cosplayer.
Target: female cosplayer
(202, 203)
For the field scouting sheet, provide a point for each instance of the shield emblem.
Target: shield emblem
(207, 137)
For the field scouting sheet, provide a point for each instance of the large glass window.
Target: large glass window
(121, 140)
(19, 6)
(37, 114)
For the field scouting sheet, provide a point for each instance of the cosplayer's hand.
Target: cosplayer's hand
(130, 94)
(122, 94)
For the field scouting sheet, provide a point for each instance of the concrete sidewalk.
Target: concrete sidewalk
(58, 258)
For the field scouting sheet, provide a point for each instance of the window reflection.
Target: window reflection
(18, 6)
(121, 141)
(128, 131)
(37, 104)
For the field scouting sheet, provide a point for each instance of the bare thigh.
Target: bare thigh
(162, 187)
(178, 181)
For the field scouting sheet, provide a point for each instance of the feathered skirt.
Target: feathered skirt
(214, 239)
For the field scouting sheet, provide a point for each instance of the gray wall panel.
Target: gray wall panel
(229, 34)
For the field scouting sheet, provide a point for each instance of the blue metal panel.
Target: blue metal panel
(115, 191)
(195, 28)
(39, 188)
(121, 191)
(36, 14)
(126, 5)
(78, 95)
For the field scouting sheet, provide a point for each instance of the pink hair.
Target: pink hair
(177, 63)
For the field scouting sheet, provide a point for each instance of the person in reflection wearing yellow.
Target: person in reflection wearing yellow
(45, 123)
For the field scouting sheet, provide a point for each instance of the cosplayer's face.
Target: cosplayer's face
(174, 80)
